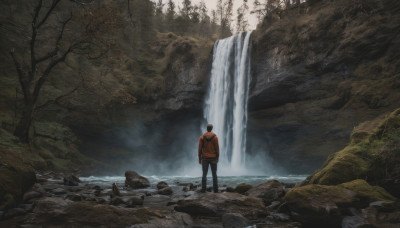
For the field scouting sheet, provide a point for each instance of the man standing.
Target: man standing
(208, 156)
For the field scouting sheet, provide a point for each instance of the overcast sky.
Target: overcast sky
(212, 5)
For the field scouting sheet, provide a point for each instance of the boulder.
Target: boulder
(71, 180)
(165, 191)
(216, 205)
(55, 211)
(374, 157)
(354, 222)
(234, 220)
(162, 184)
(14, 212)
(135, 201)
(367, 193)
(116, 201)
(31, 195)
(74, 197)
(319, 205)
(135, 181)
(50, 205)
(269, 191)
(242, 188)
(16, 174)
(115, 190)
(59, 191)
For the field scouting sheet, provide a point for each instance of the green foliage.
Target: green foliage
(373, 155)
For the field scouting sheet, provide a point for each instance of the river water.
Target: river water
(230, 181)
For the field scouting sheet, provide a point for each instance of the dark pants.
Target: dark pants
(213, 163)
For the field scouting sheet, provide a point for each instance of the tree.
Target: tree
(258, 10)
(186, 9)
(241, 22)
(170, 16)
(159, 15)
(43, 58)
(142, 13)
(224, 13)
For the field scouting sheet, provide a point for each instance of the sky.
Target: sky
(212, 5)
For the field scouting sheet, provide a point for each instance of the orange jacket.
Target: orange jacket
(208, 146)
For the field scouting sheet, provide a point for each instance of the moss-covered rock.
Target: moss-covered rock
(375, 157)
(366, 192)
(341, 167)
(319, 204)
(242, 188)
(16, 177)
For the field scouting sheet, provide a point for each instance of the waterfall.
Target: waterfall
(226, 103)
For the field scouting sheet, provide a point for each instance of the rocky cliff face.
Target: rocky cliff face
(318, 72)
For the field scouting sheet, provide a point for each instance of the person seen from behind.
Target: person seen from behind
(208, 156)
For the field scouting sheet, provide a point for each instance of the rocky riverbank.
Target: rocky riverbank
(59, 200)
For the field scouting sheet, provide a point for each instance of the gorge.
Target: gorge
(313, 90)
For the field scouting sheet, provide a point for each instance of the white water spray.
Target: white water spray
(226, 104)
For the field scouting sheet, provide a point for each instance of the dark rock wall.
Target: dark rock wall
(318, 72)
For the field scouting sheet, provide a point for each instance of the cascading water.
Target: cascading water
(226, 104)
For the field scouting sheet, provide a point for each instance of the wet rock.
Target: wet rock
(31, 195)
(135, 181)
(190, 186)
(242, 188)
(280, 217)
(50, 187)
(8, 202)
(165, 191)
(384, 206)
(117, 201)
(215, 205)
(71, 180)
(186, 219)
(26, 207)
(100, 200)
(269, 191)
(14, 212)
(85, 214)
(38, 188)
(115, 189)
(189, 193)
(161, 185)
(74, 197)
(230, 189)
(273, 205)
(234, 220)
(172, 202)
(50, 205)
(135, 201)
(59, 191)
(354, 222)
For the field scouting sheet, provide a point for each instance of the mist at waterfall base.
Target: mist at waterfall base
(169, 148)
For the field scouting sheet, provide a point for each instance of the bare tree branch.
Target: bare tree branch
(46, 73)
(20, 76)
(53, 5)
(56, 48)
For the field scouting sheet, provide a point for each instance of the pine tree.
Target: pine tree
(242, 23)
